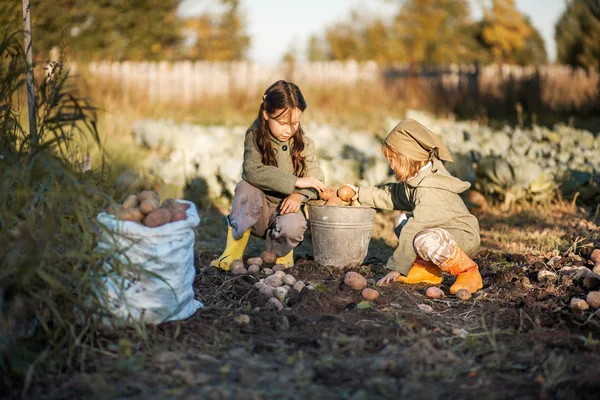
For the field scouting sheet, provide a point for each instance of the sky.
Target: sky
(276, 26)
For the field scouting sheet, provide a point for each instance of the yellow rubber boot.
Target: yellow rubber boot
(287, 260)
(234, 250)
(422, 272)
(466, 271)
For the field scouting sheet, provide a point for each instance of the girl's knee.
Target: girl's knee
(292, 225)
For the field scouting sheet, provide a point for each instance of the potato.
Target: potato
(239, 271)
(299, 285)
(346, 193)
(463, 294)
(289, 280)
(279, 267)
(370, 294)
(355, 280)
(595, 257)
(334, 201)
(268, 257)
(579, 304)
(259, 285)
(434, 293)
(237, 264)
(327, 194)
(148, 206)
(593, 299)
(273, 281)
(255, 261)
(274, 304)
(280, 293)
(148, 194)
(157, 218)
(280, 274)
(131, 201)
(179, 215)
(267, 271)
(266, 291)
(129, 214)
(253, 268)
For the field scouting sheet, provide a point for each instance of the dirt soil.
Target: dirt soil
(517, 338)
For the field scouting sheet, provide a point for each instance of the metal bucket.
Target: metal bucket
(340, 235)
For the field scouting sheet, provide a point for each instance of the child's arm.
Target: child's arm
(391, 196)
(312, 168)
(264, 177)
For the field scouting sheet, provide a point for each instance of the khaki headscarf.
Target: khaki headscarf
(415, 141)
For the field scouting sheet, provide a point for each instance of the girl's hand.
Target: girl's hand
(310, 182)
(391, 277)
(291, 204)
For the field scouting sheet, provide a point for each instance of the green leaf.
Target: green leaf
(364, 304)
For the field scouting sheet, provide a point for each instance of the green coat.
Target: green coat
(278, 182)
(433, 198)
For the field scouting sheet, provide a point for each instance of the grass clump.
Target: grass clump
(48, 269)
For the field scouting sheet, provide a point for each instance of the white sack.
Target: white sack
(158, 287)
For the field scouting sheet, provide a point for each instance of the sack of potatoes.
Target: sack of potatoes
(145, 208)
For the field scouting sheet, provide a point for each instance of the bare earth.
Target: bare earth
(517, 338)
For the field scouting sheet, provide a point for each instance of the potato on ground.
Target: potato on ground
(370, 294)
(434, 292)
(355, 280)
(158, 218)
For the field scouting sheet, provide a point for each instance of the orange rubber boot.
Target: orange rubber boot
(467, 274)
(422, 272)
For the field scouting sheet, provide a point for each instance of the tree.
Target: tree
(504, 30)
(431, 30)
(534, 50)
(577, 34)
(102, 29)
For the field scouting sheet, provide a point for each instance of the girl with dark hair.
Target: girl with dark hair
(437, 233)
(280, 173)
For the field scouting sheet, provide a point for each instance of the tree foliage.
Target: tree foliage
(434, 32)
(131, 29)
(577, 34)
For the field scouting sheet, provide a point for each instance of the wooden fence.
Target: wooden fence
(548, 87)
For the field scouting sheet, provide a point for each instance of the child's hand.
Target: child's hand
(310, 182)
(291, 204)
(391, 277)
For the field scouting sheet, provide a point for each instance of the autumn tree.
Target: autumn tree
(577, 34)
(504, 30)
(430, 30)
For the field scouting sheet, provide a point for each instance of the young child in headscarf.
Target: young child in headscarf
(438, 233)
